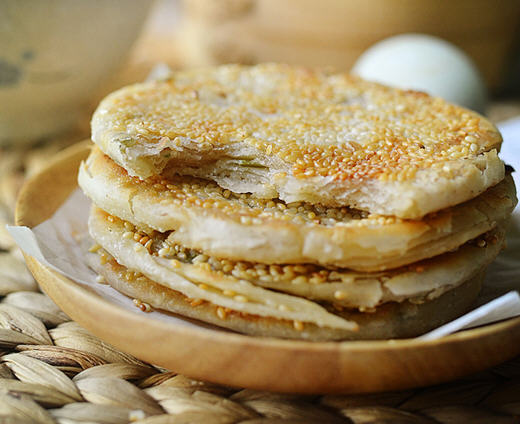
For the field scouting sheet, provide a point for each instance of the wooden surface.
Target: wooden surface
(259, 363)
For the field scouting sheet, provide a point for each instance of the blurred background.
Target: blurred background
(58, 58)
(330, 33)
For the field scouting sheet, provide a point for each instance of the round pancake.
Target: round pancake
(423, 280)
(279, 131)
(240, 227)
(392, 320)
(199, 282)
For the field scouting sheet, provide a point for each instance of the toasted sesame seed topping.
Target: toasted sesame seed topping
(315, 122)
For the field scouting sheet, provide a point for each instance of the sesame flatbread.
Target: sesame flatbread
(296, 293)
(361, 290)
(389, 321)
(241, 227)
(294, 134)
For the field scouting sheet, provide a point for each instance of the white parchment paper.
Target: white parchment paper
(59, 243)
(56, 243)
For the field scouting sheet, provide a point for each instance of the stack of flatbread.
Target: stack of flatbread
(286, 202)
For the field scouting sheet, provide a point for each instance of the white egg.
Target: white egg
(425, 63)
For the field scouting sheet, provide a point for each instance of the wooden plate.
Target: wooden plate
(254, 362)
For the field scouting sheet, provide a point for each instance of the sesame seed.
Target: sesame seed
(94, 248)
(245, 220)
(299, 280)
(298, 325)
(163, 252)
(200, 258)
(145, 307)
(240, 298)
(221, 313)
(340, 295)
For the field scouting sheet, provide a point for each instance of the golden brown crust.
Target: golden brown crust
(303, 135)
